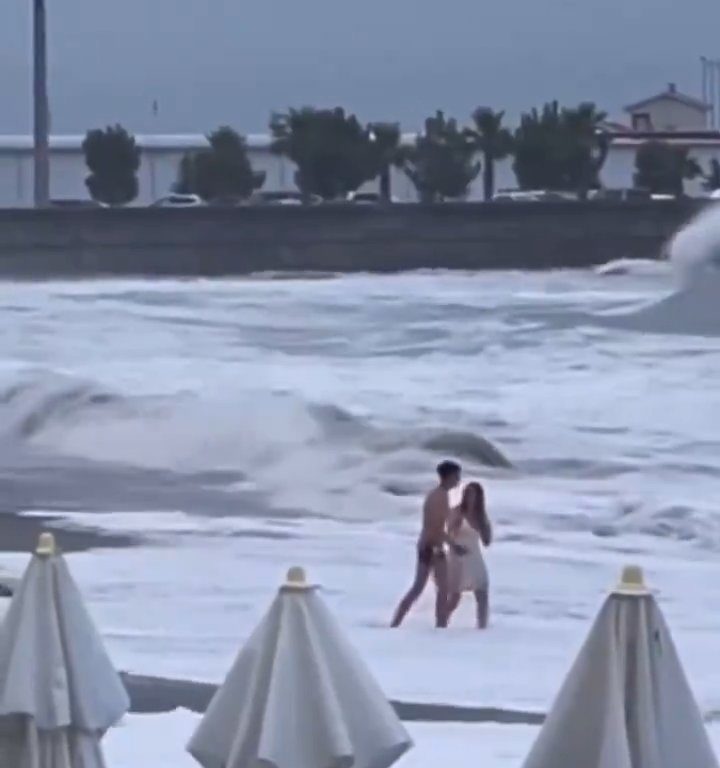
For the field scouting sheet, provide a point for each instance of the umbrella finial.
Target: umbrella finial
(296, 575)
(296, 580)
(632, 582)
(46, 545)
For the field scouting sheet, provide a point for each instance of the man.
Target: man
(431, 546)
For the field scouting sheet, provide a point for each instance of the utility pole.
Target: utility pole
(41, 122)
(711, 92)
(715, 99)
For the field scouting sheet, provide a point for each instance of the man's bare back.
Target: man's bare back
(431, 546)
(436, 511)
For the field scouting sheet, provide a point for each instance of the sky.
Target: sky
(213, 62)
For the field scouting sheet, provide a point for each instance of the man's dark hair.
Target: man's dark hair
(447, 468)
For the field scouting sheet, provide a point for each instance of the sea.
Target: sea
(241, 427)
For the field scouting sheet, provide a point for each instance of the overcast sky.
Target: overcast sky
(209, 62)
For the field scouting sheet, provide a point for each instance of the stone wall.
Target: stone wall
(214, 241)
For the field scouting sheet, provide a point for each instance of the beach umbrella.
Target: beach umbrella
(7, 587)
(59, 692)
(299, 696)
(626, 702)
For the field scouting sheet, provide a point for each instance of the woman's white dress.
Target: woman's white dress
(468, 572)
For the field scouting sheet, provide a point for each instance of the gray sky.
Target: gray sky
(209, 62)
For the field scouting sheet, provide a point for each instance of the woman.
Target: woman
(469, 525)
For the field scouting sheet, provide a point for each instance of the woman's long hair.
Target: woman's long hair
(477, 517)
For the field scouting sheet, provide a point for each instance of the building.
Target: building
(669, 110)
(160, 158)
(668, 116)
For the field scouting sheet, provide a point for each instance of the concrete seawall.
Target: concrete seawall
(216, 241)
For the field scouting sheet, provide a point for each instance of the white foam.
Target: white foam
(614, 434)
(636, 267)
(159, 741)
(182, 608)
(695, 249)
(692, 309)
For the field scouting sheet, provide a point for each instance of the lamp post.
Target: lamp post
(41, 154)
(384, 180)
(386, 138)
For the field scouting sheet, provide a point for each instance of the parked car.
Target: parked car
(283, 198)
(628, 194)
(178, 200)
(531, 195)
(368, 198)
(76, 203)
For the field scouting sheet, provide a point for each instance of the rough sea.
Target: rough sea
(240, 427)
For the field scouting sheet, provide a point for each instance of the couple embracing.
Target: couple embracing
(449, 548)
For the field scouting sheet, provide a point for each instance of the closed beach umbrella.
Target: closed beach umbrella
(299, 696)
(59, 692)
(7, 587)
(626, 702)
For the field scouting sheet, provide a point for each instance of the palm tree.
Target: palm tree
(585, 125)
(494, 143)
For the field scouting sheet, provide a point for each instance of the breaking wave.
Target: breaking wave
(635, 267)
(299, 453)
(693, 308)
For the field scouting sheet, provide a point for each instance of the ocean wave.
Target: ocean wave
(692, 309)
(634, 267)
(31, 405)
(316, 457)
(467, 445)
(674, 521)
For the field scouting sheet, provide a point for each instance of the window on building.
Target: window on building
(641, 121)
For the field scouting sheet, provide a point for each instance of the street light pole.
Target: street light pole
(41, 122)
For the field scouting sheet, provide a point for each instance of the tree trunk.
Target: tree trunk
(488, 177)
(385, 185)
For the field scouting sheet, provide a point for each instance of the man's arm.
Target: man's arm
(457, 548)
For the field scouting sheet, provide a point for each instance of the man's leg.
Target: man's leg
(422, 574)
(441, 600)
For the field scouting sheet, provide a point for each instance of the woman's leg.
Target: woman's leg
(441, 600)
(483, 607)
(452, 603)
(422, 574)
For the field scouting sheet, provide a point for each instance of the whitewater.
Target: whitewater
(239, 427)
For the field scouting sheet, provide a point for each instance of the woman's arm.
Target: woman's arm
(486, 531)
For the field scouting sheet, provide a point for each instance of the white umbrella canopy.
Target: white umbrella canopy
(8, 585)
(299, 696)
(626, 702)
(59, 692)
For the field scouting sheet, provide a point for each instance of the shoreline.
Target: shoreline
(157, 695)
(206, 242)
(19, 533)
